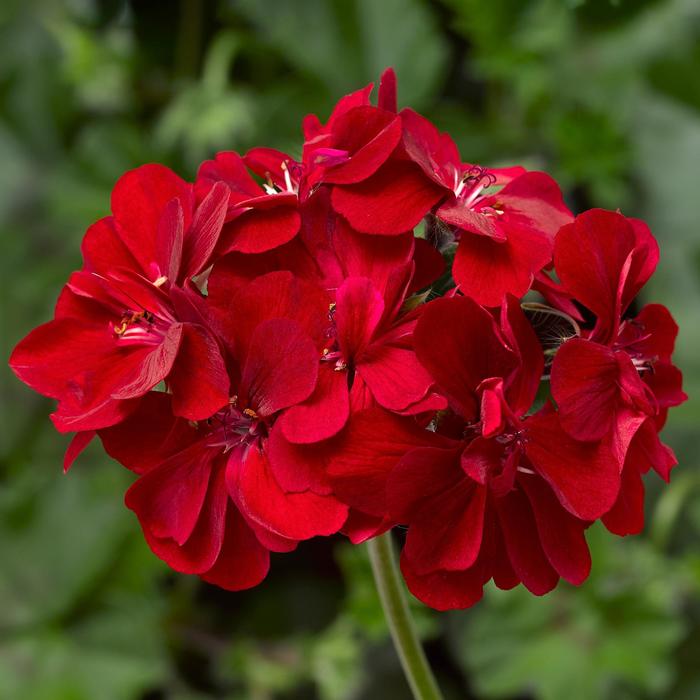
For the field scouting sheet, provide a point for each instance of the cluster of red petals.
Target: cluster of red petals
(264, 349)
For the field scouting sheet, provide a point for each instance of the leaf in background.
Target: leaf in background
(224, 116)
(667, 146)
(114, 652)
(345, 45)
(50, 558)
(336, 661)
(618, 630)
(96, 65)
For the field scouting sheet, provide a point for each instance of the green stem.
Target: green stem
(390, 586)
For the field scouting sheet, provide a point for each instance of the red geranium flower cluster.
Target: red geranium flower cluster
(264, 350)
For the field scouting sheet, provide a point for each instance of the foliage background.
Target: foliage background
(605, 95)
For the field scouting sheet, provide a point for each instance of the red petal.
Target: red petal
(481, 458)
(170, 239)
(50, 356)
(386, 99)
(434, 152)
(359, 527)
(359, 308)
(585, 378)
(202, 548)
(296, 516)
(296, 467)
(261, 229)
(149, 435)
(431, 402)
(198, 380)
(268, 163)
(492, 405)
(626, 517)
(369, 135)
(561, 535)
(666, 383)
(646, 452)
(419, 476)
(151, 368)
(394, 376)
(228, 167)
(79, 442)
(523, 385)
(169, 498)
(392, 201)
(243, 562)
(458, 343)
(103, 249)
(585, 476)
(652, 332)
(203, 234)
(486, 270)
(445, 590)
(371, 444)
(269, 540)
(592, 259)
(323, 414)
(429, 265)
(72, 416)
(505, 175)
(138, 200)
(532, 200)
(240, 309)
(523, 544)
(644, 261)
(456, 214)
(448, 536)
(373, 257)
(281, 367)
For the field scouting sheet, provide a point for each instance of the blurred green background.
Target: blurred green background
(605, 95)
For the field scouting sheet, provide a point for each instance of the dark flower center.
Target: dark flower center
(141, 328)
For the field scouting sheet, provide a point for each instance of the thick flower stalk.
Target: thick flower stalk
(264, 349)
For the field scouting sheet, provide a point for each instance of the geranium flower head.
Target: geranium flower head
(265, 350)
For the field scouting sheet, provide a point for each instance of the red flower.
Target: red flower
(617, 378)
(265, 358)
(357, 138)
(504, 238)
(494, 493)
(221, 467)
(621, 362)
(132, 318)
(366, 355)
(257, 219)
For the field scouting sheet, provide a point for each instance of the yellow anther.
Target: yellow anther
(250, 412)
(161, 281)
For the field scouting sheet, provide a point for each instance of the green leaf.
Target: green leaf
(618, 629)
(346, 45)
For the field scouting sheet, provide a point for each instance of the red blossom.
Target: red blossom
(618, 377)
(129, 321)
(495, 475)
(263, 349)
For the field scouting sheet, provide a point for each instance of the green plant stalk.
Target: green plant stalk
(391, 593)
